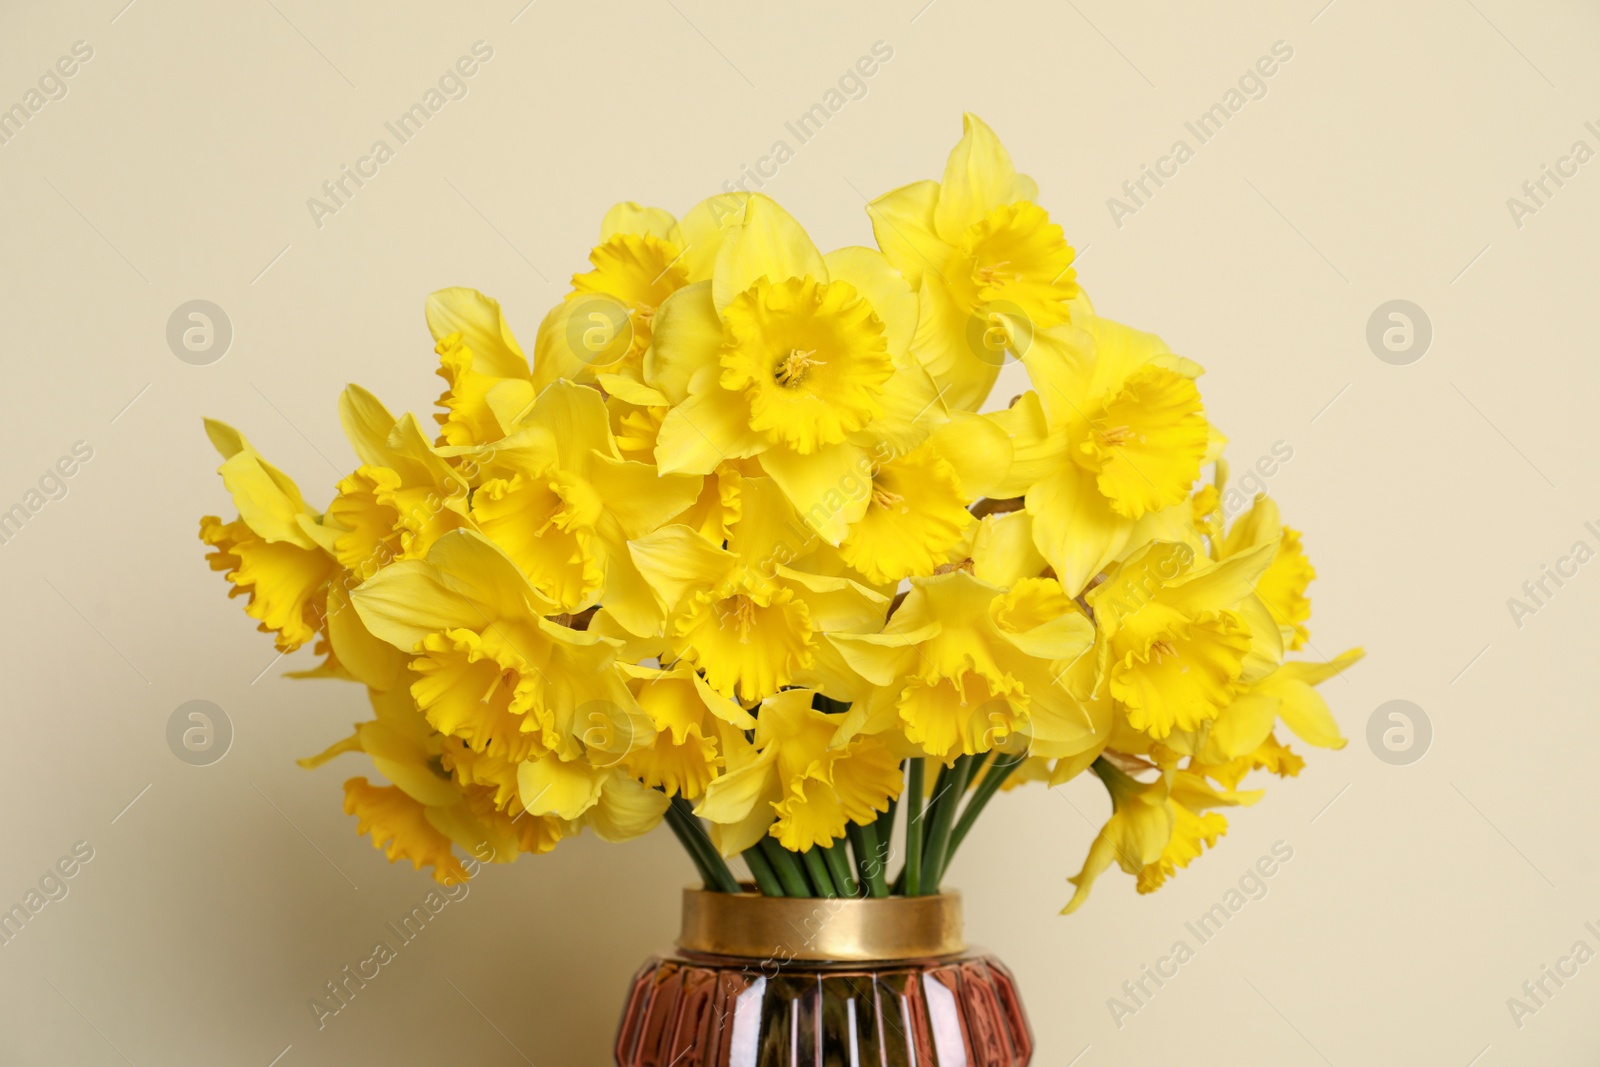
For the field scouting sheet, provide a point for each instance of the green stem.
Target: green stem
(762, 872)
(787, 867)
(930, 812)
(853, 832)
(886, 820)
(838, 860)
(682, 835)
(718, 876)
(864, 839)
(883, 830)
(817, 868)
(914, 828)
(988, 786)
(952, 787)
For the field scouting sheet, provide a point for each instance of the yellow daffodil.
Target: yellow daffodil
(400, 500)
(605, 799)
(1194, 826)
(1300, 707)
(487, 375)
(426, 810)
(733, 542)
(395, 820)
(1174, 642)
(966, 665)
(638, 263)
(1134, 837)
(799, 358)
(1282, 586)
(989, 265)
(812, 778)
(1113, 440)
(492, 669)
(558, 498)
(916, 513)
(267, 553)
(603, 329)
(744, 617)
(695, 729)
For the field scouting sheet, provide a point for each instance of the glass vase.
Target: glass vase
(784, 982)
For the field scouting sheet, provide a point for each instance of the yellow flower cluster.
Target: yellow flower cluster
(741, 538)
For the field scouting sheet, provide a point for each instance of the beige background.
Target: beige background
(1377, 167)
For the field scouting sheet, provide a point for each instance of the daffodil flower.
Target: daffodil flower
(805, 780)
(916, 513)
(966, 665)
(402, 498)
(1174, 638)
(487, 375)
(990, 267)
(426, 810)
(268, 553)
(399, 825)
(1282, 586)
(744, 617)
(605, 326)
(492, 669)
(559, 499)
(1194, 826)
(1133, 837)
(603, 798)
(1110, 444)
(795, 357)
(695, 729)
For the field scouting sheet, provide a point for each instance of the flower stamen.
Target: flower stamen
(1117, 435)
(885, 499)
(792, 370)
(988, 274)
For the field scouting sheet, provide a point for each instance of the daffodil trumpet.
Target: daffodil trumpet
(744, 544)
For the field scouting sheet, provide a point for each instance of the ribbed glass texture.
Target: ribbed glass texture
(708, 1011)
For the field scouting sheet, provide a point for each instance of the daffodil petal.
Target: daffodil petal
(902, 223)
(874, 277)
(827, 487)
(688, 336)
(769, 244)
(482, 327)
(705, 226)
(629, 217)
(978, 177)
(566, 789)
(710, 427)
(677, 562)
(1074, 527)
(367, 424)
(627, 809)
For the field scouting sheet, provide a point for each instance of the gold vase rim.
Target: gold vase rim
(821, 929)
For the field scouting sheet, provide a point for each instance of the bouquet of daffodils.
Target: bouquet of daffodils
(745, 548)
